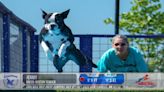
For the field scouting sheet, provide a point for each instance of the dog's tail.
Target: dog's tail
(94, 65)
(91, 62)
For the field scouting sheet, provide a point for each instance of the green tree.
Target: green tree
(145, 18)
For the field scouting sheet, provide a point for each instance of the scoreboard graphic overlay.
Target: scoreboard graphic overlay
(11, 81)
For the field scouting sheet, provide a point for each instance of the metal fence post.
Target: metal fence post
(34, 53)
(6, 42)
(24, 49)
(86, 49)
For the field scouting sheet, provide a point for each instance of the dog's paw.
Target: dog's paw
(60, 70)
(94, 65)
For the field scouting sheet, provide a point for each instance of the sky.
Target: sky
(85, 17)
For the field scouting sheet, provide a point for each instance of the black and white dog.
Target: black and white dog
(57, 41)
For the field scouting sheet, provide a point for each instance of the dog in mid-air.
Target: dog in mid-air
(57, 41)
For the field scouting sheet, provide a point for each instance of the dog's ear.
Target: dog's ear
(43, 14)
(65, 13)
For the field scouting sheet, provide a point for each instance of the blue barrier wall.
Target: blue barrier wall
(19, 45)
